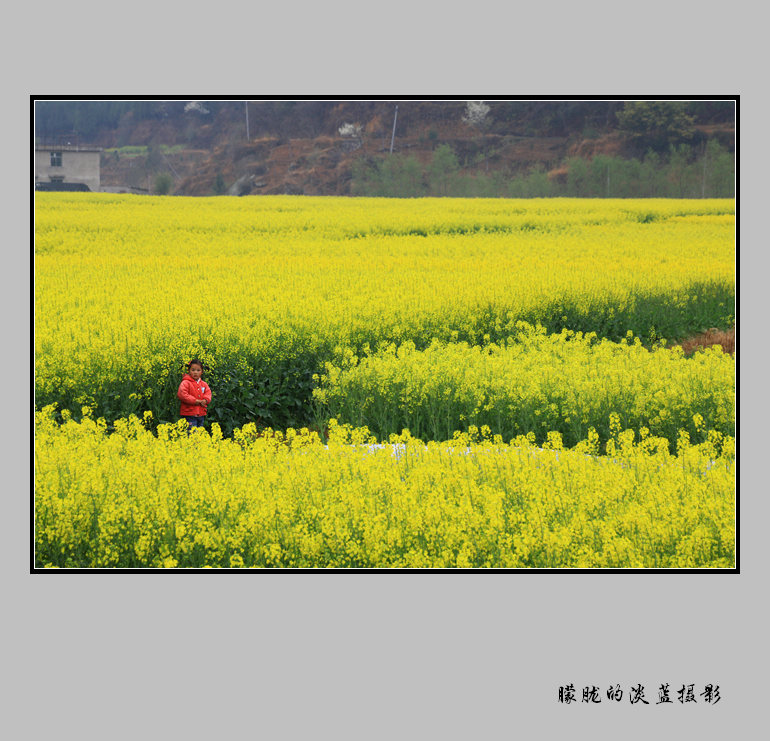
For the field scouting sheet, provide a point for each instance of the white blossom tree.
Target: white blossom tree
(476, 116)
(353, 132)
(197, 107)
(350, 130)
(476, 113)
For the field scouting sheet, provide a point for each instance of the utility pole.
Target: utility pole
(393, 136)
(247, 120)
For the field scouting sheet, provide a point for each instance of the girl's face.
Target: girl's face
(195, 371)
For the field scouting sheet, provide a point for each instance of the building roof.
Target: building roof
(66, 148)
(60, 185)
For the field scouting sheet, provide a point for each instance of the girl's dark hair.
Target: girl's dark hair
(195, 361)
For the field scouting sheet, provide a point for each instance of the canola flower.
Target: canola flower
(284, 284)
(535, 383)
(378, 296)
(131, 499)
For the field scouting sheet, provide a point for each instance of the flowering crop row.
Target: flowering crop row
(134, 499)
(268, 289)
(535, 383)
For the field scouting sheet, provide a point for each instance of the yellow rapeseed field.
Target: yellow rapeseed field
(537, 383)
(132, 499)
(128, 287)
(520, 323)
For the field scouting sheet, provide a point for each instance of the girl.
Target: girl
(194, 394)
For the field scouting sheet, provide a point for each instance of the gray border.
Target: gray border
(376, 656)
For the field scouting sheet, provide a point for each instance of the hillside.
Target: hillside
(296, 147)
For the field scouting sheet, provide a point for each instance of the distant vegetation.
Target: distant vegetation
(518, 148)
(163, 184)
(652, 123)
(142, 151)
(683, 172)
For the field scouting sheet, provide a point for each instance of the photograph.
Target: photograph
(385, 334)
(383, 373)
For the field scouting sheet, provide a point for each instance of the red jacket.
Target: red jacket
(189, 392)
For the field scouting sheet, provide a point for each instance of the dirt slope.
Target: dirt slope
(296, 147)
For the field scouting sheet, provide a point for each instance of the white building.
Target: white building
(67, 167)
